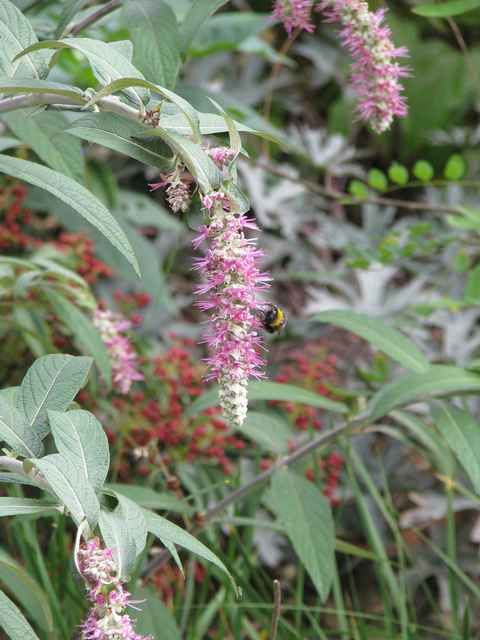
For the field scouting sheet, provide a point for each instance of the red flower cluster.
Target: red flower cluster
(81, 247)
(13, 218)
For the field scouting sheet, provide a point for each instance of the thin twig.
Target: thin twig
(466, 53)
(276, 610)
(235, 495)
(96, 15)
(16, 466)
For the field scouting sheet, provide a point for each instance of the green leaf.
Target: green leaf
(398, 174)
(52, 382)
(423, 170)
(69, 483)
(73, 194)
(270, 391)
(83, 332)
(194, 158)
(438, 380)
(472, 287)
(16, 431)
(462, 432)
(60, 152)
(32, 85)
(107, 63)
(155, 617)
(26, 591)
(357, 188)
(390, 341)
(453, 8)
(166, 530)
(224, 32)
(121, 134)
(269, 431)
(7, 142)
(69, 9)
(24, 506)
(80, 437)
(135, 517)
(468, 219)
(455, 168)
(235, 140)
(16, 33)
(117, 535)
(141, 210)
(13, 622)
(377, 180)
(199, 12)
(308, 522)
(151, 499)
(156, 38)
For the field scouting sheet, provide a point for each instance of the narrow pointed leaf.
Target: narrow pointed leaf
(69, 483)
(73, 194)
(52, 382)
(117, 535)
(446, 9)
(32, 85)
(80, 437)
(390, 341)
(13, 622)
(25, 506)
(69, 9)
(308, 522)
(199, 12)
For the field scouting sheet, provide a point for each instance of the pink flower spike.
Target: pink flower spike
(375, 77)
(293, 14)
(233, 280)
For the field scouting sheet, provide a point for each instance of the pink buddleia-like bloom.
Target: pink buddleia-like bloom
(233, 280)
(178, 189)
(123, 358)
(221, 156)
(375, 77)
(293, 13)
(105, 620)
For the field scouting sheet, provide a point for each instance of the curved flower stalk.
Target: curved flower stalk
(105, 620)
(293, 14)
(233, 280)
(123, 358)
(375, 77)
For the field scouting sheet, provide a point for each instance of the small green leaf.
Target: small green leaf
(199, 12)
(69, 483)
(390, 341)
(151, 499)
(377, 180)
(13, 622)
(357, 188)
(453, 8)
(472, 288)
(80, 437)
(398, 174)
(52, 382)
(225, 32)
(455, 168)
(307, 518)
(461, 262)
(423, 170)
(462, 432)
(75, 195)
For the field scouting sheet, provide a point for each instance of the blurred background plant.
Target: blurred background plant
(387, 226)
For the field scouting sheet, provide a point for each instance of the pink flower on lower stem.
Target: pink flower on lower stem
(178, 189)
(105, 620)
(375, 77)
(233, 280)
(123, 358)
(293, 13)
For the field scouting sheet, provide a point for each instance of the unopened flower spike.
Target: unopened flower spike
(106, 619)
(375, 77)
(221, 156)
(178, 192)
(230, 267)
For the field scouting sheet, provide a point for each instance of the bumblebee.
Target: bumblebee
(274, 319)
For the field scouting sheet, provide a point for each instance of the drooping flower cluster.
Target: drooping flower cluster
(105, 620)
(178, 194)
(375, 76)
(123, 357)
(233, 280)
(293, 14)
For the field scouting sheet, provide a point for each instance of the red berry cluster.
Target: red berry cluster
(176, 380)
(168, 580)
(314, 371)
(14, 220)
(81, 249)
(330, 470)
(130, 302)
